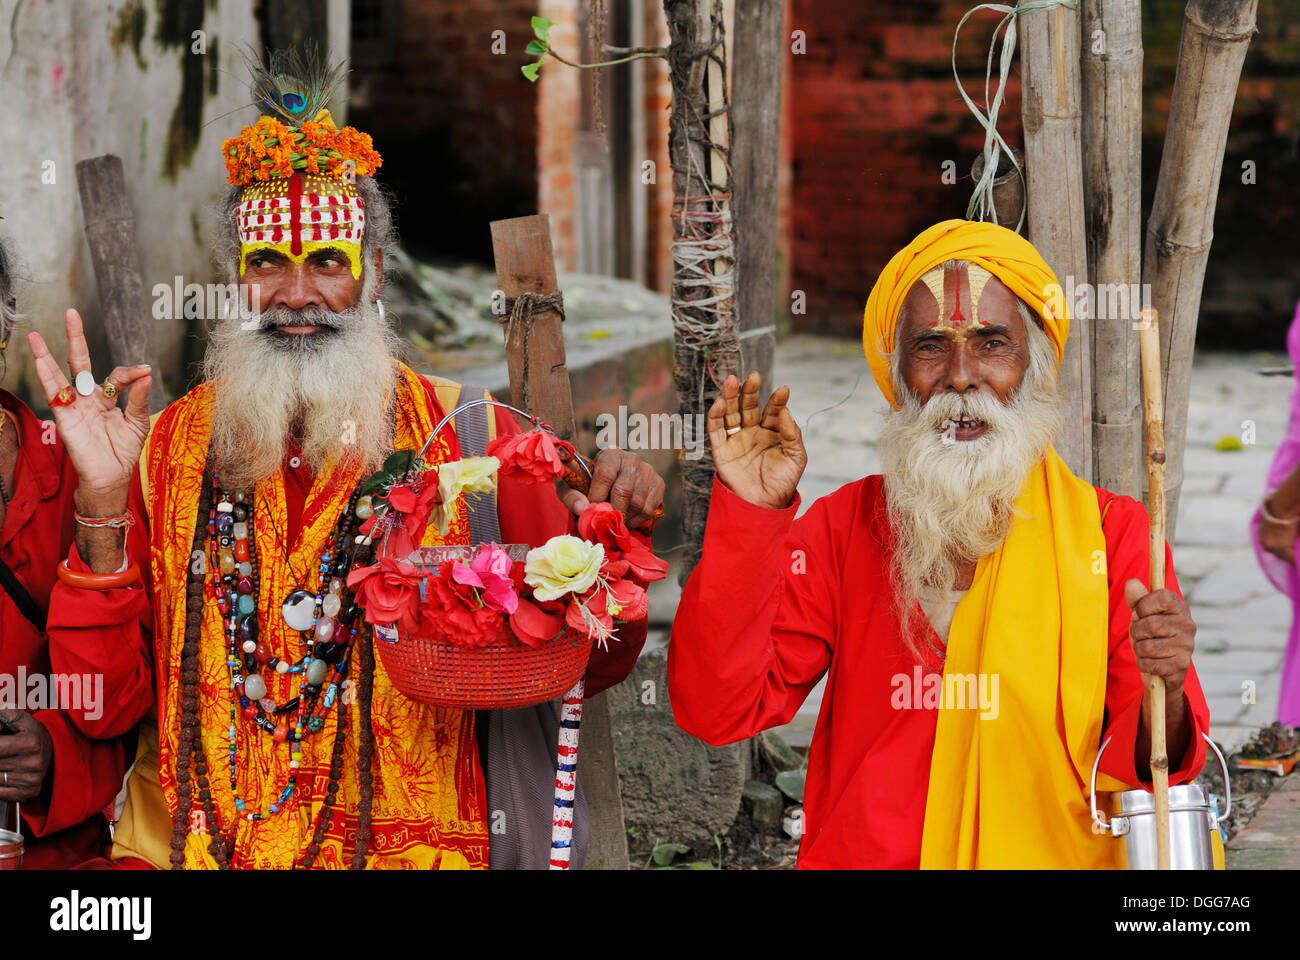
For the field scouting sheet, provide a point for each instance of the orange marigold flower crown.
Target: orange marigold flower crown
(272, 150)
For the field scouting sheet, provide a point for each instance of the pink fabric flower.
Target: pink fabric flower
(489, 571)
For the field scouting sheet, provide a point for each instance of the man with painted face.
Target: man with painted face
(278, 739)
(971, 609)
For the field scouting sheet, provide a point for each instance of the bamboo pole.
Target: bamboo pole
(1216, 34)
(1112, 195)
(1049, 58)
(1152, 397)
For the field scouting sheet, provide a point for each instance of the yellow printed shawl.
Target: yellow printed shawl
(427, 809)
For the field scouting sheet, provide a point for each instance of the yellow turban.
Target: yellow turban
(1005, 254)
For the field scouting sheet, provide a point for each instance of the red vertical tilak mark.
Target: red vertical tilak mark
(954, 278)
(295, 214)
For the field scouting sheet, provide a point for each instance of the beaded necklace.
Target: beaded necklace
(327, 623)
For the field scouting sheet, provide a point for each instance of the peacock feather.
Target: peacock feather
(297, 85)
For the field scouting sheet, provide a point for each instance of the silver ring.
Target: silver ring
(732, 430)
(6, 773)
(85, 383)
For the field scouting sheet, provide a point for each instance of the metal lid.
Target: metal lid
(1189, 796)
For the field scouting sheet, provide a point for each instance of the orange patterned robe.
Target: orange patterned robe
(427, 810)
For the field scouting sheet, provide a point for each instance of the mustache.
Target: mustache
(944, 407)
(311, 316)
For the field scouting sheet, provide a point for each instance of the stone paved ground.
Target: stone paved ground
(1242, 621)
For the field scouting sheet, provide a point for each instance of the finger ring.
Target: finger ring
(732, 430)
(64, 398)
(110, 389)
(6, 773)
(85, 382)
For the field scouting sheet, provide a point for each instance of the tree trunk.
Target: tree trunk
(1112, 193)
(1049, 57)
(703, 305)
(1216, 34)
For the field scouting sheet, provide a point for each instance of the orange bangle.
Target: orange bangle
(99, 581)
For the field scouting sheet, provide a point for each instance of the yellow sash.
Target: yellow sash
(1009, 785)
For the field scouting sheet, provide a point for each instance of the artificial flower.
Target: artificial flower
(563, 564)
(532, 625)
(453, 613)
(533, 457)
(489, 571)
(473, 474)
(602, 523)
(388, 591)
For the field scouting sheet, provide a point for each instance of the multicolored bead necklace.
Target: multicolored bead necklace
(327, 622)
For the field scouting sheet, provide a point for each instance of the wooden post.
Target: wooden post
(539, 383)
(1049, 57)
(1112, 193)
(1153, 414)
(1216, 34)
(110, 231)
(755, 155)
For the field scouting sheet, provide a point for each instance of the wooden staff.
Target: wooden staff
(1153, 407)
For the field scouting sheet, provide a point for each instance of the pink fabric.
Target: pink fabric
(1284, 577)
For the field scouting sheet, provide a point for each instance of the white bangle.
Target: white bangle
(1263, 508)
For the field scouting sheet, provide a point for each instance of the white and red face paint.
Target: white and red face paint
(957, 287)
(300, 215)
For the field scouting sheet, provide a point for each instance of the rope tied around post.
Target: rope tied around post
(981, 201)
(518, 324)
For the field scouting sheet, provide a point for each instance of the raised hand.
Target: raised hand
(102, 441)
(759, 458)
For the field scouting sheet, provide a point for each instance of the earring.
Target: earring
(380, 304)
(225, 309)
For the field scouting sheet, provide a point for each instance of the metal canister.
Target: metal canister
(11, 841)
(1191, 822)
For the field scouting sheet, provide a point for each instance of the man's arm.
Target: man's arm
(108, 634)
(1127, 724)
(756, 622)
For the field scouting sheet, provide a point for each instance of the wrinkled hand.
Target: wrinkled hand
(629, 484)
(1278, 539)
(763, 460)
(1163, 635)
(25, 757)
(102, 441)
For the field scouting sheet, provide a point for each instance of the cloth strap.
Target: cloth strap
(472, 433)
(21, 598)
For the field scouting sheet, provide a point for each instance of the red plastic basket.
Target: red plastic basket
(501, 676)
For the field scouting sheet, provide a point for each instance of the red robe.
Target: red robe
(776, 603)
(111, 631)
(66, 823)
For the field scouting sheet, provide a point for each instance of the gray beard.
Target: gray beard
(331, 391)
(951, 502)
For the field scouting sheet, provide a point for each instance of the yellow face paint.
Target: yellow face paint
(300, 215)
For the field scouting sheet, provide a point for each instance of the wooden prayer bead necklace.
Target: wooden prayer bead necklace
(190, 746)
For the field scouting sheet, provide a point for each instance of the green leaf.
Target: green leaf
(399, 462)
(529, 70)
(790, 782)
(534, 47)
(542, 28)
(701, 865)
(376, 481)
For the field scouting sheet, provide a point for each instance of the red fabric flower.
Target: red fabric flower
(453, 614)
(534, 626)
(408, 515)
(388, 591)
(532, 456)
(602, 523)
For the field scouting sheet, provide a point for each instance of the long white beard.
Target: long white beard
(331, 392)
(950, 501)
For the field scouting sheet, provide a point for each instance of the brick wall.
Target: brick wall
(455, 122)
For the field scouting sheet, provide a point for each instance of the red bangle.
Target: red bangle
(99, 581)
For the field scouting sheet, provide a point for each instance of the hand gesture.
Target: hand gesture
(102, 441)
(759, 458)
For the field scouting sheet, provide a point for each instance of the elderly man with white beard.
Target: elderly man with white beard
(979, 613)
(278, 739)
